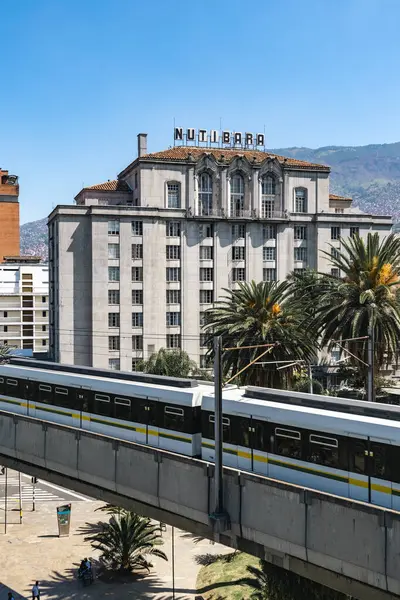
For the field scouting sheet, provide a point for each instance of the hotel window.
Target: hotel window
(113, 342)
(173, 229)
(300, 232)
(300, 205)
(113, 319)
(335, 253)
(238, 274)
(269, 274)
(300, 254)
(269, 232)
(173, 296)
(113, 273)
(206, 296)
(238, 252)
(335, 233)
(137, 296)
(269, 253)
(113, 227)
(339, 211)
(137, 342)
(237, 196)
(335, 273)
(136, 363)
(137, 273)
(113, 296)
(205, 194)
(173, 274)
(354, 231)
(206, 274)
(173, 340)
(173, 319)
(113, 250)
(137, 251)
(206, 252)
(174, 195)
(137, 319)
(268, 191)
(113, 364)
(137, 227)
(238, 232)
(206, 230)
(173, 252)
(44, 299)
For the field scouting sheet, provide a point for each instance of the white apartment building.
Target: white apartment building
(137, 261)
(24, 304)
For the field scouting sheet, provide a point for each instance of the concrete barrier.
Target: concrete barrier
(351, 546)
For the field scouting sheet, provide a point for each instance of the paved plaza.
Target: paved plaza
(33, 551)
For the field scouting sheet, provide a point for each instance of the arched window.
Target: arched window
(300, 200)
(173, 194)
(205, 194)
(268, 191)
(237, 196)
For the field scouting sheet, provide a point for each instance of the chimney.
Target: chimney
(142, 144)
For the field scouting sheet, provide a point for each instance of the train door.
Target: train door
(29, 395)
(259, 441)
(359, 478)
(82, 406)
(380, 484)
(147, 416)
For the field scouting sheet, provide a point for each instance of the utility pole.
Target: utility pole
(371, 344)
(20, 497)
(310, 379)
(34, 481)
(5, 501)
(218, 429)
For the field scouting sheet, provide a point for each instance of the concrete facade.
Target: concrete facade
(9, 215)
(24, 304)
(138, 260)
(347, 545)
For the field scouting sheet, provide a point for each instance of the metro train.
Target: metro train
(345, 447)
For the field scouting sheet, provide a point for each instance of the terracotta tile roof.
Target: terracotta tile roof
(179, 153)
(335, 197)
(116, 185)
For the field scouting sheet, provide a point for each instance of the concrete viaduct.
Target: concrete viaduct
(350, 546)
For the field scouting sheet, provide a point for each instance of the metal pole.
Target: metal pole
(371, 340)
(310, 379)
(33, 494)
(5, 502)
(173, 564)
(20, 497)
(218, 486)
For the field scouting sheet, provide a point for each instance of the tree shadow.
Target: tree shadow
(89, 528)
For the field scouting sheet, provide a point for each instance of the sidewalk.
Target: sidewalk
(33, 551)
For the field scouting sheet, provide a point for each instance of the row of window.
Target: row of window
(172, 297)
(173, 319)
(173, 340)
(336, 232)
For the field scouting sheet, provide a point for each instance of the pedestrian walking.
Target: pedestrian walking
(35, 591)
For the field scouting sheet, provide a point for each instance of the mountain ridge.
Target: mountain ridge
(370, 174)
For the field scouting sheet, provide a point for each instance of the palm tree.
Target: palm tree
(126, 540)
(171, 363)
(258, 314)
(4, 353)
(367, 296)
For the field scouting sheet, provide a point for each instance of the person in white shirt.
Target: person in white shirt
(35, 591)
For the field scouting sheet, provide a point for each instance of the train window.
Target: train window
(323, 451)
(358, 456)
(102, 405)
(1, 380)
(122, 408)
(44, 388)
(227, 432)
(379, 464)
(174, 418)
(260, 436)
(394, 453)
(62, 391)
(12, 382)
(288, 442)
(243, 432)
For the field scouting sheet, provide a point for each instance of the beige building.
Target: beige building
(137, 261)
(24, 304)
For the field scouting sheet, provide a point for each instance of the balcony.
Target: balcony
(263, 215)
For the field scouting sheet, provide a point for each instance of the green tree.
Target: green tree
(366, 296)
(171, 363)
(271, 582)
(4, 353)
(257, 314)
(126, 540)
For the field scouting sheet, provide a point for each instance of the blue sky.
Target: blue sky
(80, 78)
